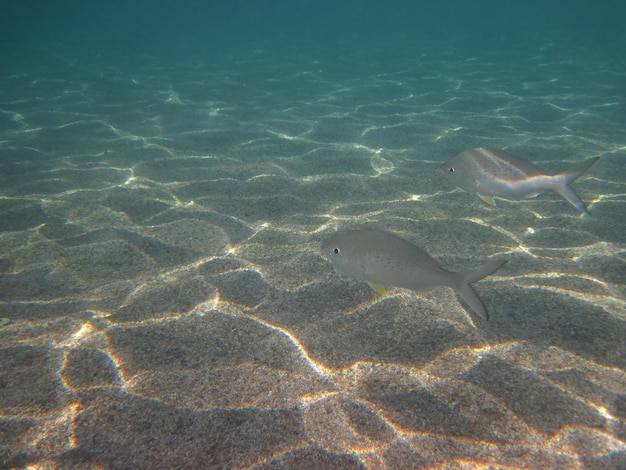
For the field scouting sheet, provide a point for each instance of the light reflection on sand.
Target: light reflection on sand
(162, 289)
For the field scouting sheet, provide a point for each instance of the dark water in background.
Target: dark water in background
(169, 169)
(31, 28)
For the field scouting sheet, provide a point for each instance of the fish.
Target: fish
(492, 172)
(380, 257)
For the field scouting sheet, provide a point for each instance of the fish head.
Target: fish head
(457, 172)
(449, 171)
(335, 249)
(446, 168)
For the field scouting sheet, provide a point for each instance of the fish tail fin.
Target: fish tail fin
(467, 292)
(563, 181)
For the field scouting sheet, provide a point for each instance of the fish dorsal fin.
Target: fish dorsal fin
(488, 199)
(379, 288)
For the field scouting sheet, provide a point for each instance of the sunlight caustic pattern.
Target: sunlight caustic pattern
(163, 299)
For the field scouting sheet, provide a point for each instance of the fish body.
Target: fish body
(490, 173)
(379, 257)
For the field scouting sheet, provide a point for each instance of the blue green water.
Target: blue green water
(168, 172)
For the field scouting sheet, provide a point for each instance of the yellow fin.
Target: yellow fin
(488, 199)
(379, 288)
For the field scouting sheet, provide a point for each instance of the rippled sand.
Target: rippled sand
(164, 302)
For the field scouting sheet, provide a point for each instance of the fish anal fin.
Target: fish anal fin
(378, 288)
(488, 199)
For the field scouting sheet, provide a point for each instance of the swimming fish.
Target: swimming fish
(381, 257)
(491, 172)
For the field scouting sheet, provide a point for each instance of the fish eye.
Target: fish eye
(451, 169)
(336, 250)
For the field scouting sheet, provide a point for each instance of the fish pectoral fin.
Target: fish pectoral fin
(488, 199)
(379, 288)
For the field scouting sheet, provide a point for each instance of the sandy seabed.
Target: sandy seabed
(163, 301)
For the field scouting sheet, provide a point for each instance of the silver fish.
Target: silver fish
(381, 257)
(490, 172)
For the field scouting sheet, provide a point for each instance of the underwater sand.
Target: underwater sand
(164, 304)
